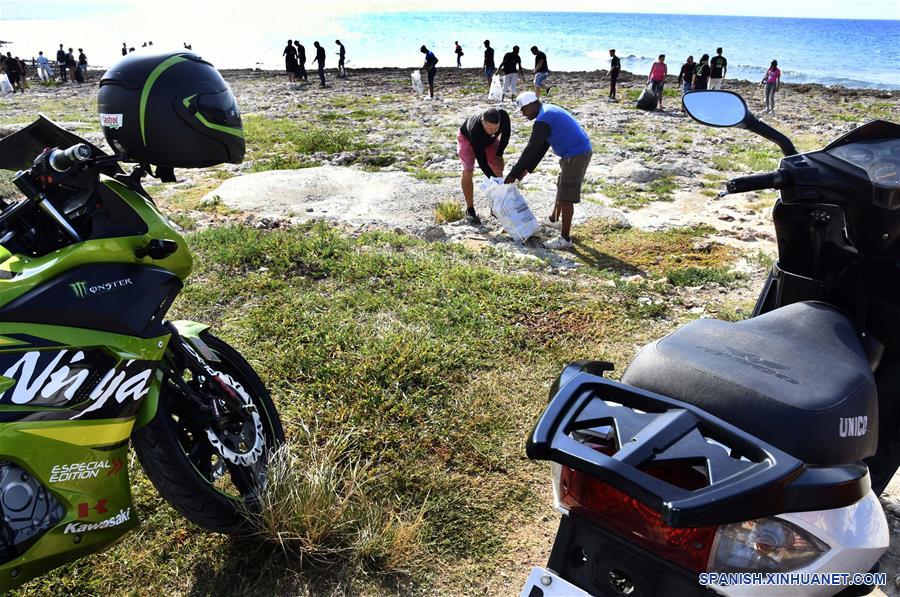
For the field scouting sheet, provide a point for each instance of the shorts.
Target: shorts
(489, 72)
(467, 154)
(571, 177)
(658, 87)
(540, 78)
(715, 83)
(685, 87)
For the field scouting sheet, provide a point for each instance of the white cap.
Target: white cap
(528, 97)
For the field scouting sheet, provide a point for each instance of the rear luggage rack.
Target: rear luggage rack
(747, 477)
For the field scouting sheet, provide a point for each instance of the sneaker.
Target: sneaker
(473, 219)
(559, 243)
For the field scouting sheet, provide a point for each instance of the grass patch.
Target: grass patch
(698, 276)
(635, 196)
(625, 252)
(317, 509)
(429, 175)
(284, 137)
(747, 157)
(282, 162)
(448, 211)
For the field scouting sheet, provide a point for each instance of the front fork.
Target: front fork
(217, 405)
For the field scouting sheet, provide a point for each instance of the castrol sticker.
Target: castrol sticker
(113, 121)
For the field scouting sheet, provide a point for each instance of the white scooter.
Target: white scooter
(745, 458)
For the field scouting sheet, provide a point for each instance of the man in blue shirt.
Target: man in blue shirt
(430, 67)
(557, 129)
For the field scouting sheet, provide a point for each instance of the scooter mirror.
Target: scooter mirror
(715, 108)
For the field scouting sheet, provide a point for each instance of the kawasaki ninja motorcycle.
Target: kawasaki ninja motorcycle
(88, 362)
(745, 458)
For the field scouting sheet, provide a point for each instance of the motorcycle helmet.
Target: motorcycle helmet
(170, 110)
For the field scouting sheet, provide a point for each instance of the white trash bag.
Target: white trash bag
(511, 209)
(496, 92)
(417, 82)
(5, 85)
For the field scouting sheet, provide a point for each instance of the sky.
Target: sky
(839, 9)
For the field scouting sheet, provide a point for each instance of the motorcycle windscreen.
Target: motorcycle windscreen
(18, 150)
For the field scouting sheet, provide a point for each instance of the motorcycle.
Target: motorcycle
(89, 267)
(746, 458)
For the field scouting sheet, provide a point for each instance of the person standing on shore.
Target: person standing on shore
(342, 55)
(61, 63)
(44, 71)
(615, 66)
(82, 64)
(686, 76)
(481, 138)
(541, 72)
(13, 72)
(557, 129)
(301, 61)
(290, 60)
(320, 58)
(489, 66)
(511, 67)
(701, 74)
(459, 54)
(124, 49)
(772, 79)
(718, 66)
(23, 73)
(430, 67)
(657, 79)
(71, 64)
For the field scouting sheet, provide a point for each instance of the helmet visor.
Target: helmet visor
(219, 108)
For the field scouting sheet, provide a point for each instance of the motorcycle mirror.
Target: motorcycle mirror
(727, 108)
(715, 108)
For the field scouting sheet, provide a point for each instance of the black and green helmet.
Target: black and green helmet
(171, 110)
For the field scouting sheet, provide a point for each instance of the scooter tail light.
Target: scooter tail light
(764, 545)
(636, 522)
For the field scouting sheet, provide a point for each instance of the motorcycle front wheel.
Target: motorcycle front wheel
(212, 476)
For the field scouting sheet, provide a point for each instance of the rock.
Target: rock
(309, 210)
(344, 158)
(434, 234)
(635, 171)
(726, 218)
(678, 168)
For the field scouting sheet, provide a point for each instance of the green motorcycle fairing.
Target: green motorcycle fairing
(81, 343)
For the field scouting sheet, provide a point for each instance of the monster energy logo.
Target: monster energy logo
(79, 289)
(82, 290)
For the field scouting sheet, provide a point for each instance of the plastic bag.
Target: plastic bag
(511, 209)
(5, 85)
(417, 82)
(496, 92)
(647, 100)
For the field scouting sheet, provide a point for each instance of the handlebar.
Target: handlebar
(63, 159)
(754, 182)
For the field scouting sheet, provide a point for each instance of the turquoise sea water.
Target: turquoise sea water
(862, 53)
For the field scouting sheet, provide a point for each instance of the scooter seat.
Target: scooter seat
(796, 377)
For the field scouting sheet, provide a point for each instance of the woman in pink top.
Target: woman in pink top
(657, 78)
(772, 79)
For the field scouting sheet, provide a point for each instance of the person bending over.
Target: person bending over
(481, 138)
(557, 129)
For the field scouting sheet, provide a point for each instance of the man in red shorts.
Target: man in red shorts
(482, 138)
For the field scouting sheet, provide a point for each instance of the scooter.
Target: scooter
(88, 363)
(746, 458)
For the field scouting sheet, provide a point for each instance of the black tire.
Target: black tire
(163, 446)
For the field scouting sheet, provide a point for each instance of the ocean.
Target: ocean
(853, 53)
